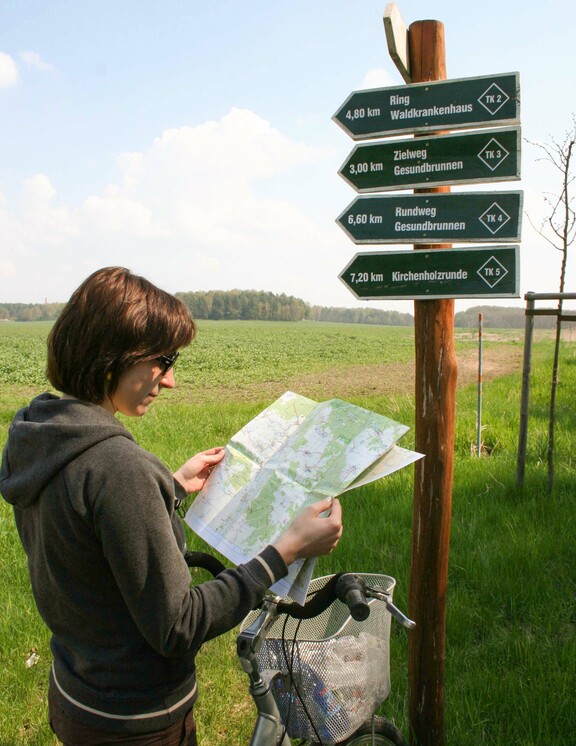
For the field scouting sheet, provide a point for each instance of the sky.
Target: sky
(193, 142)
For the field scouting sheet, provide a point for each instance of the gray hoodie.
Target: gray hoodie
(95, 514)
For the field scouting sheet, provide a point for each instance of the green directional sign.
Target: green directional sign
(422, 162)
(425, 107)
(442, 273)
(434, 218)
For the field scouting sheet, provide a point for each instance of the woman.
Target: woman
(96, 516)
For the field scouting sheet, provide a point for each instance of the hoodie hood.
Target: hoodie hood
(44, 437)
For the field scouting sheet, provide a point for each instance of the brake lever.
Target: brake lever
(394, 610)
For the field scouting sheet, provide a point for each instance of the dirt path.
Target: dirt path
(398, 378)
(366, 380)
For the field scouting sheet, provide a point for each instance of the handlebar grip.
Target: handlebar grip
(351, 589)
(204, 561)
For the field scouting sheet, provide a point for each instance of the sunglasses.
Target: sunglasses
(166, 362)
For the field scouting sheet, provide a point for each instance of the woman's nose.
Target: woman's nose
(167, 381)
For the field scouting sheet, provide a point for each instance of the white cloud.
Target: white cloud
(13, 241)
(113, 212)
(194, 186)
(226, 204)
(41, 221)
(205, 262)
(241, 146)
(35, 61)
(7, 269)
(378, 78)
(8, 71)
(196, 183)
(39, 189)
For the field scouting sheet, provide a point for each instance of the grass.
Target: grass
(511, 611)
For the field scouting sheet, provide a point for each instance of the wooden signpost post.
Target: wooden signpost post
(435, 391)
(429, 163)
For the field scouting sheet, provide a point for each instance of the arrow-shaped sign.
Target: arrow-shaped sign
(460, 103)
(451, 217)
(441, 273)
(424, 162)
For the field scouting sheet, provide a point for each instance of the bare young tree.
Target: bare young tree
(559, 229)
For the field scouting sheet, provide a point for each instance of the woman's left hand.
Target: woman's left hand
(193, 474)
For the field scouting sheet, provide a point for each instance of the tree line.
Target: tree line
(30, 311)
(266, 306)
(362, 315)
(500, 317)
(236, 305)
(243, 305)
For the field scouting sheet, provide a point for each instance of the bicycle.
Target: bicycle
(318, 672)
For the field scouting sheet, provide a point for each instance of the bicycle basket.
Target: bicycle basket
(334, 671)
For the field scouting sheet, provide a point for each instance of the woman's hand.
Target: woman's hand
(310, 534)
(193, 474)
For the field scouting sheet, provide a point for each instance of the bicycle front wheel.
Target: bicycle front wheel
(385, 734)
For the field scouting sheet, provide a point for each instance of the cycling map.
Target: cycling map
(295, 452)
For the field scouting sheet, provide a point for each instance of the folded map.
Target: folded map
(295, 452)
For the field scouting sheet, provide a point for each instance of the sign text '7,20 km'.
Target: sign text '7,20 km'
(450, 273)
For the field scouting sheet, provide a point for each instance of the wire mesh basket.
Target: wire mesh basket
(334, 671)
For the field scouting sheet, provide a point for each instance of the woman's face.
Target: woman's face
(137, 388)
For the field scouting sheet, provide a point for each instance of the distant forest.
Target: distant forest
(500, 317)
(265, 306)
(29, 311)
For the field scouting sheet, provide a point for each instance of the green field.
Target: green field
(511, 644)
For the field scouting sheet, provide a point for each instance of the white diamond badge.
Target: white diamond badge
(493, 98)
(492, 271)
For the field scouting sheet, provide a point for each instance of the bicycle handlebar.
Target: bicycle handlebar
(349, 588)
(204, 561)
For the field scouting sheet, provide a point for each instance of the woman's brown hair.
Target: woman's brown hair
(112, 321)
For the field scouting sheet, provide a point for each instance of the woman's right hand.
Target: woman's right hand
(310, 534)
(193, 474)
